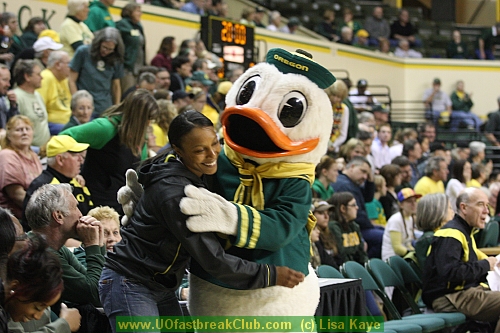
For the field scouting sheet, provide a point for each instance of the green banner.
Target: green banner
(250, 324)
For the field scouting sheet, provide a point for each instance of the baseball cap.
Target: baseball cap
(63, 143)
(50, 33)
(294, 21)
(224, 87)
(200, 76)
(362, 33)
(407, 193)
(362, 83)
(180, 94)
(436, 81)
(379, 108)
(320, 206)
(46, 43)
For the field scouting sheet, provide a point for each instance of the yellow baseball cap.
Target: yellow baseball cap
(63, 143)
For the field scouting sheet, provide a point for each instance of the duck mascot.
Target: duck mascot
(276, 127)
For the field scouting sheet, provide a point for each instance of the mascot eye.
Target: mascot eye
(292, 109)
(247, 90)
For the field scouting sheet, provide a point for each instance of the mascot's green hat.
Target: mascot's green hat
(300, 62)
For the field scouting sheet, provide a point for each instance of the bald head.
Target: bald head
(472, 206)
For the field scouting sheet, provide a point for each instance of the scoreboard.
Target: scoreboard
(231, 41)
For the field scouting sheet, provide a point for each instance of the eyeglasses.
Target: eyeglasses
(352, 205)
(109, 49)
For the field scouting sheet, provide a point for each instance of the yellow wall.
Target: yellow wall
(407, 78)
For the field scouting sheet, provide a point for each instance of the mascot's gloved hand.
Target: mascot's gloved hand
(209, 211)
(129, 195)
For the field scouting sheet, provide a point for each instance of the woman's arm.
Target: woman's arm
(116, 91)
(16, 192)
(73, 77)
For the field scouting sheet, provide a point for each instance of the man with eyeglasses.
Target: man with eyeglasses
(55, 91)
(65, 157)
(454, 276)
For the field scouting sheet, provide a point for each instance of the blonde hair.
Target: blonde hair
(104, 213)
(6, 143)
(378, 180)
(338, 89)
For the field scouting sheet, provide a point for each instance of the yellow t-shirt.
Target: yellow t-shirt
(427, 186)
(56, 96)
(72, 32)
(161, 136)
(211, 114)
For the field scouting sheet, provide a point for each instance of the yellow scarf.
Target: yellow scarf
(251, 179)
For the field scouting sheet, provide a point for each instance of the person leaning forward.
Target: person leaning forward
(455, 270)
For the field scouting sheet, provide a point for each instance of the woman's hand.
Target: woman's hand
(287, 277)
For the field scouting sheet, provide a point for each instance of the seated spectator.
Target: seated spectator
(461, 175)
(461, 104)
(436, 102)
(436, 172)
(274, 21)
(82, 106)
(146, 81)
(361, 39)
(34, 283)
(346, 36)
(455, 270)
(400, 137)
(430, 217)
(326, 28)
(351, 149)
(361, 98)
(166, 113)
(492, 128)
(377, 26)
(8, 99)
(30, 33)
(367, 138)
(247, 15)
(402, 29)
(74, 32)
(486, 42)
(30, 102)
(326, 173)
(384, 47)
(259, 16)
(366, 121)
(181, 99)
(291, 26)
(9, 24)
(99, 17)
(327, 244)
(65, 157)
(478, 156)
(404, 51)
(436, 149)
(163, 57)
(163, 81)
(412, 149)
(194, 7)
(19, 165)
(55, 91)
(348, 21)
(181, 70)
(380, 146)
(389, 201)
(53, 213)
(406, 172)
(357, 173)
(457, 49)
(478, 175)
(337, 92)
(374, 208)
(399, 233)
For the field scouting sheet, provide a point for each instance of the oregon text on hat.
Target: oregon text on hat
(299, 63)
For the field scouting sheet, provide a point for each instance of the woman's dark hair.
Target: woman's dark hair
(389, 172)
(337, 200)
(7, 239)
(108, 34)
(37, 270)
(167, 46)
(184, 123)
(32, 22)
(129, 9)
(457, 171)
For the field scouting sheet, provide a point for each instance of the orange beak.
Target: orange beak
(251, 132)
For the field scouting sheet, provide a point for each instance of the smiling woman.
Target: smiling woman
(19, 165)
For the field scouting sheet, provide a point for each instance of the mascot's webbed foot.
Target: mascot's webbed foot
(208, 211)
(129, 195)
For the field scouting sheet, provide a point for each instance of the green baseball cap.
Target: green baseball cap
(300, 62)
